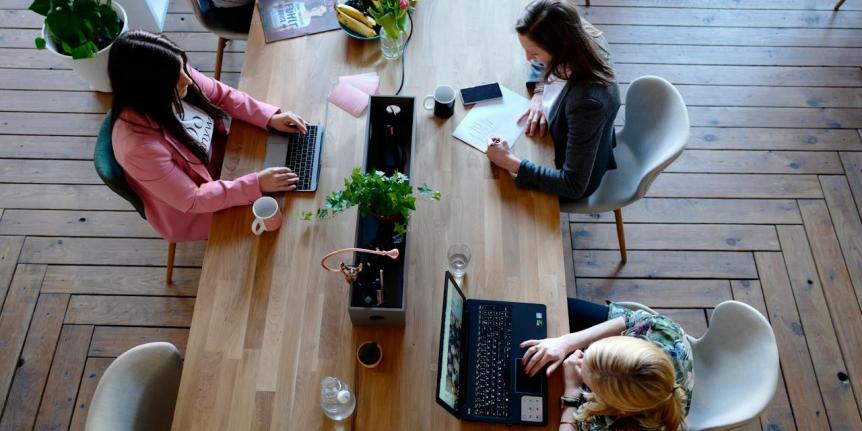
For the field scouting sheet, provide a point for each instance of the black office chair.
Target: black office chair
(226, 23)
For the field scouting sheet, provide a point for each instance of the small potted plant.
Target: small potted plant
(369, 354)
(81, 32)
(389, 199)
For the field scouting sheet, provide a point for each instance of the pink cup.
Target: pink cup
(267, 216)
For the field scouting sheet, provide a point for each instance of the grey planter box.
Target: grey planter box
(391, 133)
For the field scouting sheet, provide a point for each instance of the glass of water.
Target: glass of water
(459, 258)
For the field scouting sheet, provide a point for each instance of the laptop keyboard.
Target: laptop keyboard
(300, 156)
(494, 361)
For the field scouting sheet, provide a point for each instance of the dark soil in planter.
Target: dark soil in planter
(369, 354)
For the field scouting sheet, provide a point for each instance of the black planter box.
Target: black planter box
(391, 130)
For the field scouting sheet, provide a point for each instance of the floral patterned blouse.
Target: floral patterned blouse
(665, 333)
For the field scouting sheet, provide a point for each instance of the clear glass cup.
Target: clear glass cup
(459, 257)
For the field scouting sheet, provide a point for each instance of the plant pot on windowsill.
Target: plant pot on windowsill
(369, 354)
(92, 65)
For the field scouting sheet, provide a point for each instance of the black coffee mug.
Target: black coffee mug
(444, 101)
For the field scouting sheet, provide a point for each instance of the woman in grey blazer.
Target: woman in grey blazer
(572, 58)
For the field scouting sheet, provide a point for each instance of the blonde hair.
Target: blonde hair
(634, 378)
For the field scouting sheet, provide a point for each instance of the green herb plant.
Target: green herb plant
(375, 193)
(79, 28)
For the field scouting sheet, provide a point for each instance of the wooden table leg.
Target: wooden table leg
(169, 272)
(621, 234)
(219, 54)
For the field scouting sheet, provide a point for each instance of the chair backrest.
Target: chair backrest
(138, 391)
(656, 127)
(110, 171)
(236, 29)
(735, 368)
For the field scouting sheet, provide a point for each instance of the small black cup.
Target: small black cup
(444, 101)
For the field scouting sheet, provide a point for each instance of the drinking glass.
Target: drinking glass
(459, 258)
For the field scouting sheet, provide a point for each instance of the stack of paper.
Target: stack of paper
(353, 91)
(493, 118)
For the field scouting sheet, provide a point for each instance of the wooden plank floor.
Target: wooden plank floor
(763, 207)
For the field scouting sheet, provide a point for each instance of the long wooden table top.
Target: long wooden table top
(269, 324)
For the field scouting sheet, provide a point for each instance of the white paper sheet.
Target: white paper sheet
(493, 118)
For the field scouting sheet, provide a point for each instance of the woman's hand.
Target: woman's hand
(540, 352)
(288, 122)
(535, 117)
(277, 180)
(500, 155)
(572, 378)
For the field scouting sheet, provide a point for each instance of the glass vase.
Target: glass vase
(392, 45)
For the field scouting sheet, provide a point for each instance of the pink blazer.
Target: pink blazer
(178, 192)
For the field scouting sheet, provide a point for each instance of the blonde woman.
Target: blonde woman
(632, 371)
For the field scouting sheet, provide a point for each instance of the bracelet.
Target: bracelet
(569, 423)
(567, 401)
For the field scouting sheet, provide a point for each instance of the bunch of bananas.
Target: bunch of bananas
(355, 20)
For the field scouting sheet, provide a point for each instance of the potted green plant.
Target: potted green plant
(81, 32)
(369, 354)
(390, 199)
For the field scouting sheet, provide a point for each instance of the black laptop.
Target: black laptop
(480, 376)
(299, 152)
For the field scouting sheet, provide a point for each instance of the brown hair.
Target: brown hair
(634, 378)
(144, 69)
(555, 26)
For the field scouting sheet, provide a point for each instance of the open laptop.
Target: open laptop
(299, 152)
(479, 375)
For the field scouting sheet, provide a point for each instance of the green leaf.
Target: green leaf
(40, 43)
(86, 50)
(42, 7)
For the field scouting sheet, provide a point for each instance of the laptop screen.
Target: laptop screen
(452, 321)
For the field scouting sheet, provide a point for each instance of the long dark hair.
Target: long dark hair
(144, 69)
(555, 26)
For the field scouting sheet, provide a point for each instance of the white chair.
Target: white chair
(735, 367)
(138, 390)
(655, 133)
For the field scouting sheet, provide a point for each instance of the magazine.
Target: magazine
(285, 19)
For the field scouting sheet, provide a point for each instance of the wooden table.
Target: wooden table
(269, 323)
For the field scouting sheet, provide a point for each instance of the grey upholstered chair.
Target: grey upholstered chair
(138, 390)
(735, 367)
(655, 133)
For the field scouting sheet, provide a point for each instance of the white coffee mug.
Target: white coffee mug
(267, 216)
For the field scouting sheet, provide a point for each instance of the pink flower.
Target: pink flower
(404, 4)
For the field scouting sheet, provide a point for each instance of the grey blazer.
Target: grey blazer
(581, 125)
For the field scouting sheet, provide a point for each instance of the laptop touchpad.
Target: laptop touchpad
(525, 384)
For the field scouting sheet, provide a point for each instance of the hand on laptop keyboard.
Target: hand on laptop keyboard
(288, 122)
(277, 180)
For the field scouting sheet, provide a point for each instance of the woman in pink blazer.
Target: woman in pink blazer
(169, 135)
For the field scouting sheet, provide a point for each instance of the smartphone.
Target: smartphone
(481, 92)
